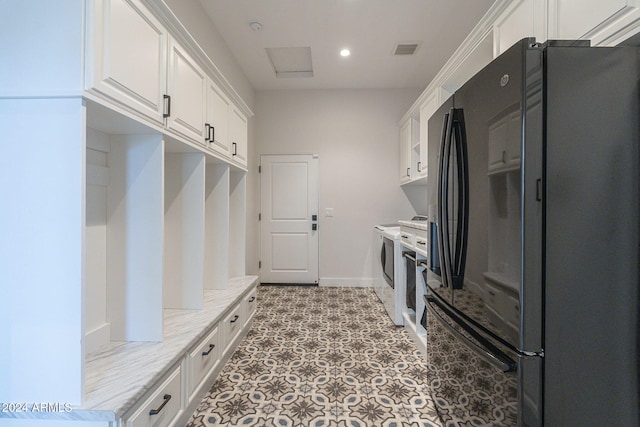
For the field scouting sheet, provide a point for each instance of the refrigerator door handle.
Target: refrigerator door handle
(444, 243)
(499, 359)
(462, 175)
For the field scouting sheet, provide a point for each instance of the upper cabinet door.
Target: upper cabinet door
(218, 109)
(187, 95)
(405, 152)
(585, 18)
(238, 137)
(127, 56)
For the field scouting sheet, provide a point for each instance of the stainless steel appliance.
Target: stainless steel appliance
(533, 302)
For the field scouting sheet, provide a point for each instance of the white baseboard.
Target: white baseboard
(351, 282)
(96, 338)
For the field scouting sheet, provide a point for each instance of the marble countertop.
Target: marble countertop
(420, 225)
(120, 373)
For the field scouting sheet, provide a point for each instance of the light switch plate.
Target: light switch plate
(328, 211)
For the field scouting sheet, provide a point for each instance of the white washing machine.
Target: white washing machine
(388, 270)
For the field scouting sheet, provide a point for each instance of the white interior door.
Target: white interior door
(289, 219)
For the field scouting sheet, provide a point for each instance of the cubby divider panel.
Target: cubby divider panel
(184, 222)
(135, 213)
(216, 253)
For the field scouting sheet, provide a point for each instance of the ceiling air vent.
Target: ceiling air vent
(406, 48)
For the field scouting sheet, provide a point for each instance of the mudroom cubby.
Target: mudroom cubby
(124, 245)
(160, 242)
(123, 240)
(184, 226)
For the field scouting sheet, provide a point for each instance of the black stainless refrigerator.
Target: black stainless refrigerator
(532, 286)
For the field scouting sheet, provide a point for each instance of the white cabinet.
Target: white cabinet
(133, 61)
(523, 18)
(405, 152)
(585, 18)
(418, 160)
(164, 405)
(217, 125)
(186, 92)
(127, 58)
(430, 105)
(202, 360)
(86, 244)
(238, 137)
(505, 142)
(250, 305)
(231, 327)
(414, 134)
(412, 164)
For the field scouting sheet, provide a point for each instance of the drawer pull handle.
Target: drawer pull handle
(167, 398)
(235, 318)
(211, 347)
(252, 299)
(167, 103)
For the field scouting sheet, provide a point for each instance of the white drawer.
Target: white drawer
(250, 304)
(203, 359)
(231, 326)
(421, 242)
(162, 408)
(407, 237)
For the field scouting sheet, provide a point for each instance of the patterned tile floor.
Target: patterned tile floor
(320, 356)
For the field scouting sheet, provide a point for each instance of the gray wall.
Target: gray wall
(355, 132)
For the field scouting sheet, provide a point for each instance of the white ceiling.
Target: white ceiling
(370, 28)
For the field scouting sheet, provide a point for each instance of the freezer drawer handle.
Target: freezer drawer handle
(484, 354)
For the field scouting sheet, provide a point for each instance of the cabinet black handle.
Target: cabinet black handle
(167, 398)
(235, 318)
(408, 172)
(419, 166)
(211, 347)
(213, 134)
(235, 149)
(207, 130)
(252, 299)
(167, 100)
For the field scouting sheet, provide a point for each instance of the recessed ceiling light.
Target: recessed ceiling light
(345, 52)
